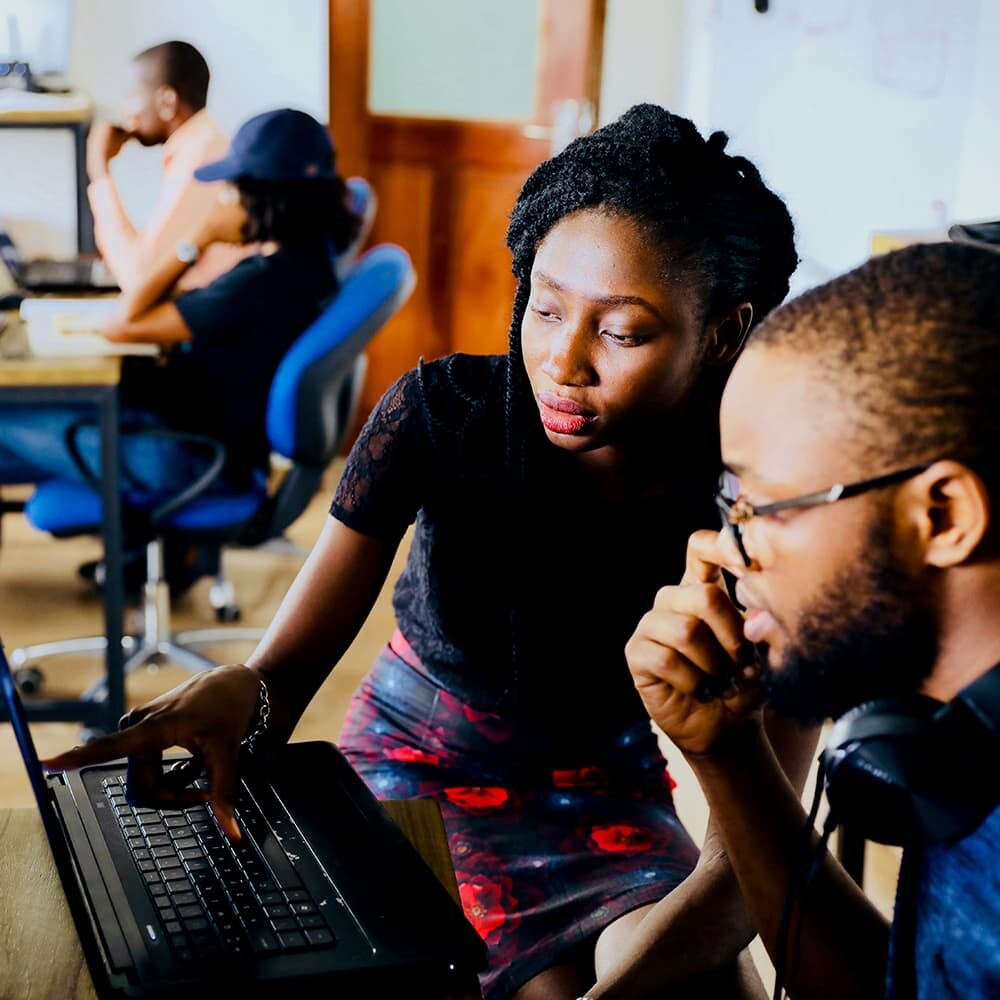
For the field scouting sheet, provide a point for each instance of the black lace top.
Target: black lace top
(578, 571)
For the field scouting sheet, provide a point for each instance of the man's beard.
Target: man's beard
(871, 634)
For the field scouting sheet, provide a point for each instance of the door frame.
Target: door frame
(563, 72)
(443, 151)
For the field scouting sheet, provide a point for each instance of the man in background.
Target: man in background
(165, 106)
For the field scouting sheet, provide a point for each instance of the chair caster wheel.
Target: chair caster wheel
(228, 614)
(92, 733)
(29, 680)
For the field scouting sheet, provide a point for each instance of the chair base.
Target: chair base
(155, 645)
(138, 650)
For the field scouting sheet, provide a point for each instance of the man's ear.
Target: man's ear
(952, 511)
(727, 334)
(167, 103)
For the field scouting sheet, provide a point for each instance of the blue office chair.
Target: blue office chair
(310, 407)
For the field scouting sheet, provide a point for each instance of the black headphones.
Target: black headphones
(915, 770)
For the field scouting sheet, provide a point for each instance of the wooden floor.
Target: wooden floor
(41, 598)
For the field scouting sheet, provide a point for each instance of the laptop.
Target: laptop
(324, 894)
(73, 275)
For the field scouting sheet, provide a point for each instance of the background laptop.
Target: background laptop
(74, 275)
(323, 893)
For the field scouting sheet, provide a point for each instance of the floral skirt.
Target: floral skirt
(548, 850)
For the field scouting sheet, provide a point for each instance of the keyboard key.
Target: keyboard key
(158, 890)
(189, 912)
(297, 895)
(313, 920)
(284, 924)
(198, 924)
(183, 898)
(302, 909)
(292, 939)
(263, 940)
(270, 898)
(185, 844)
(172, 927)
(318, 937)
(279, 910)
(147, 866)
(151, 878)
(158, 842)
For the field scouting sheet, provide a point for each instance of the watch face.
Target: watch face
(187, 251)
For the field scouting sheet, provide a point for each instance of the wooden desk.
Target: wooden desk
(40, 955)
(76, 120)
(28, 380)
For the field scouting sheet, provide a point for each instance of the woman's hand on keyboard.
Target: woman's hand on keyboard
(209, 715)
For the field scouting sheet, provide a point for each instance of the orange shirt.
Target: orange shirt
(180, 207)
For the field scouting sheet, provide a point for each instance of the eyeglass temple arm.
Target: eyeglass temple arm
(840, 491)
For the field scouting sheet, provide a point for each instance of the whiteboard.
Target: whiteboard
(861, 113)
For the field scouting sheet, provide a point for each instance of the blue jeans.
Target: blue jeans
(33, 448)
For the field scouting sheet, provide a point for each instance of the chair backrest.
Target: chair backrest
(315, 391)
(363, 203)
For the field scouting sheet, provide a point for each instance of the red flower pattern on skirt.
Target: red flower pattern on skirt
(488, 725)
(489, 904)
(412, 755)
(620, 839)
(476, 799)
(581, 777)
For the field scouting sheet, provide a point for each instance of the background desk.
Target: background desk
(30, 381)
(77, 122)
(40, 955)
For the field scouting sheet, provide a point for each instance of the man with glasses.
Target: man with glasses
(861, 442)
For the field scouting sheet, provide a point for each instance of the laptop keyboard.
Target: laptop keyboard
(216, 898)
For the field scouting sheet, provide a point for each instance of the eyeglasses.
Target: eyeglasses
(736, 510)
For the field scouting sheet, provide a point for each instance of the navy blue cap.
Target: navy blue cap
(283, 145)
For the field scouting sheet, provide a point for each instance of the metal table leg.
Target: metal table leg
(111, 529)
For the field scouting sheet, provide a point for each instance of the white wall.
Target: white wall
(864, 114)
(263, 54)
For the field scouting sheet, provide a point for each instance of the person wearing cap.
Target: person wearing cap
(222, 343)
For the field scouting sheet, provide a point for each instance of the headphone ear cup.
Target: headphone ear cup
(879, 780)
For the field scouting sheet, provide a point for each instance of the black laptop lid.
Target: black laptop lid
(39, 786)
(19, 722)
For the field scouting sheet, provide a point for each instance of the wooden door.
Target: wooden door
(446, 185)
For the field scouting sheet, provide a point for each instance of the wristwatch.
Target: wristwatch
(187, 251)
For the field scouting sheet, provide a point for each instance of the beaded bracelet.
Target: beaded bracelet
(263, 714)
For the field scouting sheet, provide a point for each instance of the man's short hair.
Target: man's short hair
(181, 66)
(910, 342)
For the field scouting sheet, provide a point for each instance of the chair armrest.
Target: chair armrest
(216, 449)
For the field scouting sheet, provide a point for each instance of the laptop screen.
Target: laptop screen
(19, 721)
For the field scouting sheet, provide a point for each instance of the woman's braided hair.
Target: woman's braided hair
(709, 215)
